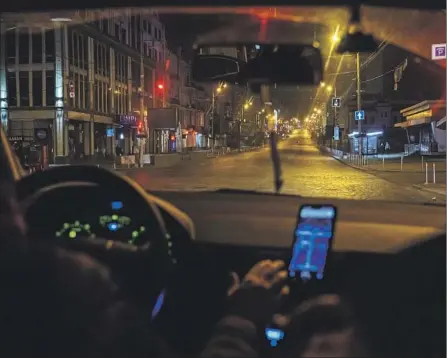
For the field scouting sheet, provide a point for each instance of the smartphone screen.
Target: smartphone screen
(312, 241)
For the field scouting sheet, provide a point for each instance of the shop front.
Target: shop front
(370, 142)
(423, 124)
(126, 140)
(165, 141)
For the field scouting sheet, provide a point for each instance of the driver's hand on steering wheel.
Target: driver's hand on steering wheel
(257, 297)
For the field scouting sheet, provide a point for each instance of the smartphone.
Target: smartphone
(312, 241)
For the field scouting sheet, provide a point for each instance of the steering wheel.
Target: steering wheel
(152, 259)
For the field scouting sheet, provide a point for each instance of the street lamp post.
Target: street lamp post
(213, 103)
(359, 105)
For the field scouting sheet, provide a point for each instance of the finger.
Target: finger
(236, 281)
(273, 269)
(285, 291)
(260, 267)
(277, 265)
(280, 320)
(278, 278)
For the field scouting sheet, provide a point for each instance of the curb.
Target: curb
(374, 173)
(428, 190)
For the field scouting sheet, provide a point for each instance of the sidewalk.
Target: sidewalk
(193, 156)
(408, 171)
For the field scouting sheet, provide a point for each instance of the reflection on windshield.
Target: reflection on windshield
(374, 129)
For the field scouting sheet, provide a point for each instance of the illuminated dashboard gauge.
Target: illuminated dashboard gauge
(116, 205)
(114, 222)
(75, 230)
(136, 234)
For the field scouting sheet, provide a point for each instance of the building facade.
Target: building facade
(82, 80)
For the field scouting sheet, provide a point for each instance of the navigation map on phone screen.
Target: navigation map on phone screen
(312, 242)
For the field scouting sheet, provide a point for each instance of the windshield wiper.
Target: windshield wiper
(277, 173)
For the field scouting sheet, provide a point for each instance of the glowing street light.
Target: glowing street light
(335, 37)
(329, 88)
(322, 84)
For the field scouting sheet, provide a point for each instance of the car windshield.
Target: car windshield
(114, 88)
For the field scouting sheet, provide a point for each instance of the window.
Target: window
(105, 25)
(37, 45)
(12, 88)
(37, 89)
(117, 31)
(24, 47)
(83, 49)
(50, 88)
(135, 73)
(82, 92)
(75, 49)
(24, 88)
(106, 61)
(117, 67)
(11, 46)
(50, 49)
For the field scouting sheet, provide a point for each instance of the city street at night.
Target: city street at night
(306, 172)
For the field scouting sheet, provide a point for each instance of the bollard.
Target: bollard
(434, 173)
(422, 162)
(114, 165)
(426, 173)
(383, 162)
(401, 163)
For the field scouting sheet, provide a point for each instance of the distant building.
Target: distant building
(78, 77)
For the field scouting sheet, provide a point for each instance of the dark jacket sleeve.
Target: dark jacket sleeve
(237, 335)
(233, 337)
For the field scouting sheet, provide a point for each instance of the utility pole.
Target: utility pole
(213, 104)
(239, 127)
(359, 106)
(142, 109)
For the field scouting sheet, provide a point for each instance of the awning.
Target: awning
(441, 121)
(413, 122)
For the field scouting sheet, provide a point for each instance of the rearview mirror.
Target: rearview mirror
(258, 64)
(210, 68)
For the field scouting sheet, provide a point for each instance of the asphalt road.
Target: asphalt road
(306, 172)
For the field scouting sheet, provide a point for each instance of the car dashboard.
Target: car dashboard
(380, 252)
(86, 211)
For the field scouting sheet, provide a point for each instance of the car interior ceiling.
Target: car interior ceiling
(398, 297)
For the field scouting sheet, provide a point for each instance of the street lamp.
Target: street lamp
(213, 107)
(329, 88)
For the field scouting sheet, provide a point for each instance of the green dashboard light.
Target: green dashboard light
(114, 217)
(72, 234)
(87, 227)
(135, 234)
(142, 229)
